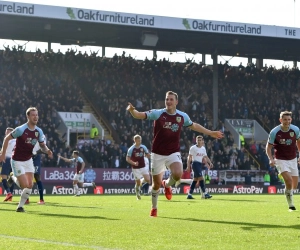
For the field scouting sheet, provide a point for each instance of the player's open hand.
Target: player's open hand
(130, 107)
(217, 134)
(272, 162)
(50, 154)
(210, 165)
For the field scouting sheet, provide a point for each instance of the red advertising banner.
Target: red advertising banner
(97, 175)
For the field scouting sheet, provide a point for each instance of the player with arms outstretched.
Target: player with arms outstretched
(168, 123)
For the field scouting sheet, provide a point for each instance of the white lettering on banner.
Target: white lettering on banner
(119, 191)
(247, 190)
(63, 190)
(157, 22)
(77, 120)
(217, 190)
(174, 190)
(281, 191)
(211, 173)
(56, 175)
(19, 191)
(117, 176)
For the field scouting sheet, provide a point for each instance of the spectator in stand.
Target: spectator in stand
(267, 179)
(274, 180)
(93, 133)
(248, 177)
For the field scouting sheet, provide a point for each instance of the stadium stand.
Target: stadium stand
(55, 82)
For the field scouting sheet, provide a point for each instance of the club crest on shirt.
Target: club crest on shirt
(36, 134)
(291, 134)
(178, 119)
(142, 149)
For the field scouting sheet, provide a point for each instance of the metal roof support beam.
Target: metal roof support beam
(259, 63)
(214, 57)
(154, 54)
(49, 46)
(203, 59)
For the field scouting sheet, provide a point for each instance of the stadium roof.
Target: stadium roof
(121, 36)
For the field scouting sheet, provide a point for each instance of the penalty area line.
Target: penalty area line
(52, 242)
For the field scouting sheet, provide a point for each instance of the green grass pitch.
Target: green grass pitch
(122, 222)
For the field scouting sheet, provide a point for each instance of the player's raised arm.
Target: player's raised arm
(136, 114)
(215, 134)
(63, 158)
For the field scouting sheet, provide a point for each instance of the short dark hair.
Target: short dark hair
(76, 152)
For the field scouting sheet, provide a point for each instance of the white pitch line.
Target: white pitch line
(53, 242)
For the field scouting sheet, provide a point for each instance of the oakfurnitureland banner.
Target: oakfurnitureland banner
(159, 22)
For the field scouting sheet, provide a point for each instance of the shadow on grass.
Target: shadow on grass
(54, 204)
(51, 204)
(178, 201)
(256, 201)
(244, 225)
(72, 216)
(199, 199)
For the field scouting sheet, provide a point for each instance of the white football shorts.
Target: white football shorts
(139, 173)
(79, 177)
(160, 163)
(22, 167)
(290, 166)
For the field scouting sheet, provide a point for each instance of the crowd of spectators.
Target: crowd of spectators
(54, 82)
